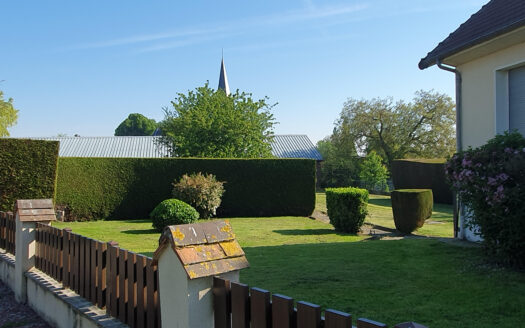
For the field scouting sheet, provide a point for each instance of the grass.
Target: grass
(425, 280)
(380, 214)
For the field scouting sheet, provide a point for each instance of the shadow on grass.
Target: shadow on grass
(141, 232)
(311, 232)
(380, 202)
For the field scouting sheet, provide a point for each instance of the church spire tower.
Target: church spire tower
(223, 79)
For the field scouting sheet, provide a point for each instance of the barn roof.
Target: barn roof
(283, 146)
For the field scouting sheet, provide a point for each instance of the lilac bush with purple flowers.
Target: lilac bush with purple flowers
(490, 182)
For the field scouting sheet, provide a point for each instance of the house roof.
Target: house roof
(204, 249)
(495, 18)
(283, 146)
(294, 146)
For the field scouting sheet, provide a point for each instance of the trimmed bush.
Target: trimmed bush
(411, 207)
(129, 188)
(171, 212)
(203, 192)
(347, 208)
(27, 170)
(423, 174)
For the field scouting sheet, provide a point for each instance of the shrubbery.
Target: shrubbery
(129, 188)
(28, 170)
(411, 207)
(347, 208)
(490, 181)
(203, 192)
(171, 212)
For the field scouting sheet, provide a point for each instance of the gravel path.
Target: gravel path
(14, 315)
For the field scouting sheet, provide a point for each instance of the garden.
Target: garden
(428, 277)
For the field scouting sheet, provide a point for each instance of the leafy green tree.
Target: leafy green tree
(422, 128)
(373, 174)
(8, 115)
(136, 125)
(208, 123)
(340, 165)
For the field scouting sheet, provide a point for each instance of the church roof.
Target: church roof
(223, 79)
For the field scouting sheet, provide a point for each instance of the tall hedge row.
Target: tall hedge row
(27, 170)
(422, 174)
(129, 188)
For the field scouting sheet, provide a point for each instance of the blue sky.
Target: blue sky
(81, 67)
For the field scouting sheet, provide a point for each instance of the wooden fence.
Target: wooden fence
(7, 231)
(122, 282)
(237, 306)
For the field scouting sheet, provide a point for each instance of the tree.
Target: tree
(341, 164)
(8, 115)
(422, 128)
(136, 125)
(209, 123)
(373, 174)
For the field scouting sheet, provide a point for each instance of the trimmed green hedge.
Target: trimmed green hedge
(422, 174)
(347, 208)
(27, 170)
(411, 207)
(129, 188)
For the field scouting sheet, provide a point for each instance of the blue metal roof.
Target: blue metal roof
(283, 146)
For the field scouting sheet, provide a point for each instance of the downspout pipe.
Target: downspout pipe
(459, 145)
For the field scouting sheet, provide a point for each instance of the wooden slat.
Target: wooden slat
(337, 319)
(283, 314)
(111, 279)
(60, 256)
(366, 323)
(240, 305)
(260, 310)
(221, 295)
(308, 315)
(76, 263)
(54, 235)
(150, 292)
(93, 283)
(156, 297)
(141, 301)
(123, 291)
(46, 250)
(82, 264)
(132, 289)
(66, 258)
(87, 268)
(101, 274)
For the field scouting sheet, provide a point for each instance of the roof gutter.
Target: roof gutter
(459, 144)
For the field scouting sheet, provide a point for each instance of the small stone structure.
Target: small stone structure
(188, 257)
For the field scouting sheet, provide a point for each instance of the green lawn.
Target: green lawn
(380, 213)
(425, 280)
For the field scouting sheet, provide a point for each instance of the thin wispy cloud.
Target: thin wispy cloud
(221, 30)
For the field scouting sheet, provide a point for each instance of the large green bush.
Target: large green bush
(129, 188)
(423, 174)
(27, 170)
(171, 212)
(202, 191)
(347, 208)
(490, 181)
(411, 207)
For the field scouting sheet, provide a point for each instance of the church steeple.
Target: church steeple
(223, 79)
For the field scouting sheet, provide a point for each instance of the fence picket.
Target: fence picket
(150, 292)
(132, 289)
(260, 308)
(283, 314)
(221, 296)
(111, 279)
(366, 323)
(308, 315)
(240, 305)
(337, 319)
(93, 283)
(66, 258)
(101, 274)
(141, 301)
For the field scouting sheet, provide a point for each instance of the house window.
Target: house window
(517, 99)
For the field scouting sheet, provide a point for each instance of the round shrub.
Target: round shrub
(411, 207)
(202, 191)
(347, 208)
(172, 211)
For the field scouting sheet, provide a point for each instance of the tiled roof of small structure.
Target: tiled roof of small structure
(495, 18)
(283, 146)
(294, 146)
(204, 249)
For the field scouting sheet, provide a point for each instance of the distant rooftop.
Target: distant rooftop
(283, 146)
